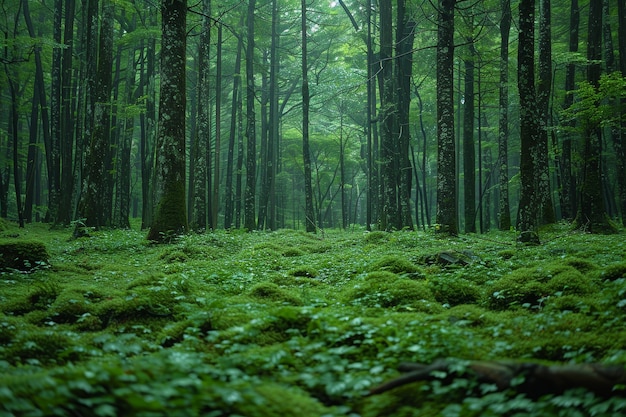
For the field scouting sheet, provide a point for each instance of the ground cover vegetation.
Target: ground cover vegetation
(289, 323)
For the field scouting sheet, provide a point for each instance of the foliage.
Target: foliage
(291, 324)
(23, 255)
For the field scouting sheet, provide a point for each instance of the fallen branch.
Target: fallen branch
(533, 379)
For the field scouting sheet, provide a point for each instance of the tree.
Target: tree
(544, 90)
(249, 197)
(446, 149)
(171, 214)
(306, 152)
(504, 209)
(93, 206)
(529, 128)
(591, 211)
(469, 148)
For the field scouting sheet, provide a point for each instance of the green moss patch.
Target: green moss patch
(23, 255)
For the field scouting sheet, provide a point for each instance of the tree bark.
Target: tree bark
(446, 156)
(469, 146)
(309, 212)
(544, 90)
(529, 128)
(591, 212)
(504, 208)
(249, 197)
(171, 213)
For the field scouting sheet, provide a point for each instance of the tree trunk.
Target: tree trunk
(544, 89)
(233, 137)
(446, 146)
(200, 142)
(249, 198)
(529, 128)
(218, 122)
(469, 147)
(591, 212)
(309, 212)
(620, 142)
(94, 195)
(568, 182)
(405, 36)
(504, 209)
(171, 214)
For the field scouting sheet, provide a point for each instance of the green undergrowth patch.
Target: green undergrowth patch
(287, 323)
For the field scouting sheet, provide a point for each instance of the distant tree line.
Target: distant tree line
(458, 115)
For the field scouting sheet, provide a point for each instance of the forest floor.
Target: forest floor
(292, 324)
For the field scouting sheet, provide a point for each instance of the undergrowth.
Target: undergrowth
(294, 324)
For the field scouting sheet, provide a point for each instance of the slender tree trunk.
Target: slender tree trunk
(529, 127)
(504, 208)
(469, 147)
(544, 90)
(405, 36)
(54, 156)
(446, 146)
(218, 129)
(568, 182)
(591, 211)
(388, 118)
(620, 142)
(309, 212)
(249, 198)
(200, 143)
(233, 137)
(93, 205)
(171, 213)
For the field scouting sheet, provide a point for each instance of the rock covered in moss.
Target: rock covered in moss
(23, 255)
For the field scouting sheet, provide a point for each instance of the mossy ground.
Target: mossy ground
(294, 324)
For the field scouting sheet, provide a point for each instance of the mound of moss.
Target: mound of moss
(385, 289)
(530, 286)
(23, 255)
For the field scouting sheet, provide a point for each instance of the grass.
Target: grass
(294, 324)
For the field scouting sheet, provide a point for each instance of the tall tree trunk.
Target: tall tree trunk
(66, 185)
(171, 213)
(529, 127)
(54, 157)
(233, 137)
(309, 212)
(388, 117)
(93, 204)
(591, 211)
(620, 142)
(469, 147)
(249, 198)
(544, 89)
(446, 156)
(200, 142)
(568, 182)
(218, 129)
(504, 208)
(405, 36)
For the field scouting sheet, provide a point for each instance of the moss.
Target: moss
(170, 220)
(614, 271)
(453, 290)
(23, 255)
(271, 292)
(384, 289)
(280, 401)
(530, 286)
(506, 254)
(292, 252)
(396, 265)
(376, 236)
(303, 271)
(46, 347)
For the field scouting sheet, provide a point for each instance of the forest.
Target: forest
(320, 208)
(465, 116)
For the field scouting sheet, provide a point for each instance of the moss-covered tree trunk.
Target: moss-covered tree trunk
(250, 192)
(529, 128)
(171, 214)
(309, 212)
(446, 156)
